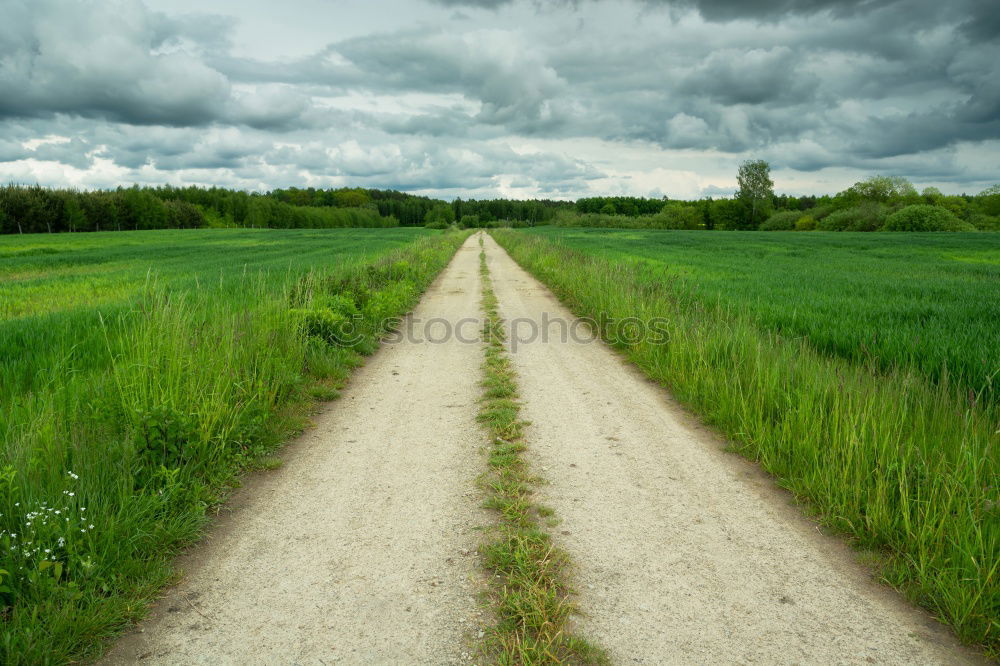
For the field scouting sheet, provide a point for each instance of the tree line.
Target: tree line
(876, 203)
(35, 209)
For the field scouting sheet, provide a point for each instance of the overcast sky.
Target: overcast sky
(517, 98)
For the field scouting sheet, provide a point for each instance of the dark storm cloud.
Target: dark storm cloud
(722, 9)
(808, 84)
(730, 98)
(983, 21)
(727, 10)
(121, 62)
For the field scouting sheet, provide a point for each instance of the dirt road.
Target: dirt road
(685, 553)
(361, 549)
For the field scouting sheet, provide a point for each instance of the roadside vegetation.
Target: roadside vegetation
(870, 396)
(141, 373)
(530, 592)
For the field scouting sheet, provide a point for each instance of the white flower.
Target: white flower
(75, 476)
(91, 526)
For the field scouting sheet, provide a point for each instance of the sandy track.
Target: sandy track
(685, 553)
(361, 549)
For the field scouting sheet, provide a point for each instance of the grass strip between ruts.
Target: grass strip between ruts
(529, 589)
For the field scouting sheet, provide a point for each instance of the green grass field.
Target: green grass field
(930, 302)
(823, 357)
(139, 372)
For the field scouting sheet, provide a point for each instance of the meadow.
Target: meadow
(860, 370)
(140, 372)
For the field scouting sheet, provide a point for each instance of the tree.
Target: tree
(439, 217)
(677, 215)
(931, 194)
(76, 220)
(988, 201)
(725, 214)
(351, 198)
(756, 190)
(883, 189)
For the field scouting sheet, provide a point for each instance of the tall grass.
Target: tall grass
(907, 467)
(131, 421)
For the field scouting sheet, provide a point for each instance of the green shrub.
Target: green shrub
(922, 217)
(327, 325)
(837, 221)
(985, 222)
(676, 215)
(868, 216)
(805, 223)
(783, 221)
(442, 214)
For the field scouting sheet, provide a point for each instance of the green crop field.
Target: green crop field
(58, 272)
(925, 301)
(859, 369)
(139, 371)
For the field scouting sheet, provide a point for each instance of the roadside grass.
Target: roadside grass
(124, 425)
(906, 466)
(529, 589)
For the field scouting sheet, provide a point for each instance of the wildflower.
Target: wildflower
(75, 476)
(91, 526)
